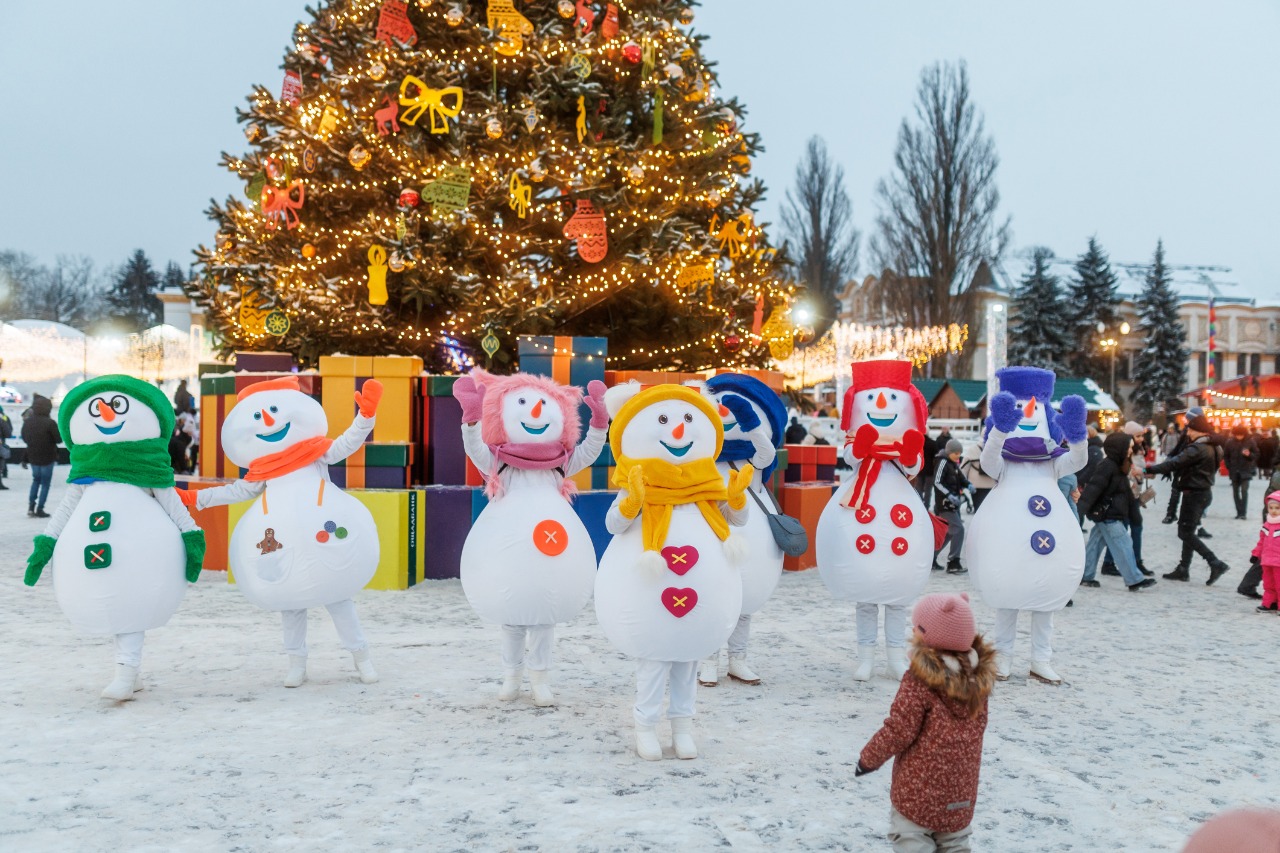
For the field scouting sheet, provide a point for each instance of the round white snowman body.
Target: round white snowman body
(1023, 546)
(687, 609)
(304, 542)
(118, 566)
(881, 553)
(528, 559)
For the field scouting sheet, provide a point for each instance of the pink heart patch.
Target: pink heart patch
(680, 558)
(679, 601)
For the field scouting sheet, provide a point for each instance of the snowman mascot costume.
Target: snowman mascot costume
(875, 539)
(528, 561)
(754, 421)
(123, 546)
(668, 591)
(303, 542)
(1023, 546)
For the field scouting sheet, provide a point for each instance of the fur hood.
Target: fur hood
(963, 679)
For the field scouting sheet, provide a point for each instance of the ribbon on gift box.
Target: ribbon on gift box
(283, 203)
(440, 104)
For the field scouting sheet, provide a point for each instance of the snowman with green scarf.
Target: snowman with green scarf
(123, 546)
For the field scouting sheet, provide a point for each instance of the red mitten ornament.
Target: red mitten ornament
(368, 396)
(587, 227)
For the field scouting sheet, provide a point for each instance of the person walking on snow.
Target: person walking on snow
(40, 433)
(1242, 464)
(948, 484)
(1267, 554)
(1107, 501)
(1194, 469)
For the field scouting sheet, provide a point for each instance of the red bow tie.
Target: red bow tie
(907, 450)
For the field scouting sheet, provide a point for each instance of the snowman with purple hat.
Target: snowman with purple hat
(1023, 546)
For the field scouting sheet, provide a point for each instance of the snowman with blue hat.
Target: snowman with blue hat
(1024, 549)
(755, 421)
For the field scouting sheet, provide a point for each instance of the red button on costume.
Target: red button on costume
(901, 515)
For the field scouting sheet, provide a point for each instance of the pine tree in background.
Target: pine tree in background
(433, 172)
(173, 278)
(1095, 297)
(1160, 368)
(1039, 320)
(132, 297)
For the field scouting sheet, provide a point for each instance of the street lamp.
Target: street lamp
(1111, 345)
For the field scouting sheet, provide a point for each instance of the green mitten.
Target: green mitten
(193, 541)
(40, 557)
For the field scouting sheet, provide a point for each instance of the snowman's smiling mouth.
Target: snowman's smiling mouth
(676, 451)
(730, 425)
(881, 422)
(1027, 427)
(535, 430)
(110, 430)
(277, 435)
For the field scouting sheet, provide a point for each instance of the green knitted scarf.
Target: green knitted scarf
(139, 463)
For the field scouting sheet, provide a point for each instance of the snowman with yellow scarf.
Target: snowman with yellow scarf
(668, 591)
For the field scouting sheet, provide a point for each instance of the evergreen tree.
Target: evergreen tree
(1161, 366)
(1094, 293)
(173, 277)
(132, 298)
(1039, 321)
(435, 171)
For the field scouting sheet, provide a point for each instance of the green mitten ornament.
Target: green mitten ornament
(193, 541)
(40, 557)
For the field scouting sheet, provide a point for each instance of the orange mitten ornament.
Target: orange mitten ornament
(587, 226)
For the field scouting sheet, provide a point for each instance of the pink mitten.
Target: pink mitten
(470, 394)
(595, 402)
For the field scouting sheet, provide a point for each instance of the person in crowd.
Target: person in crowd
(1197, 465)
(971, 467)
(1242, 463)
(1095, 456)
(948, 484)
(1107, 500)
(928, 466)
(1266, 554)
(1069, 486)
(1267, 446)
(182, 400)
(935, 729)
(189, 424)
(1169, 446)
(178, 443)
(40, 434)
(1137, 485)
(795, 431)
(6, 433)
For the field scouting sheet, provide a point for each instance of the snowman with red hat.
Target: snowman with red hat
(875, 539)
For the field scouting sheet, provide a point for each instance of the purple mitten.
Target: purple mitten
(1004, 412)
(1071, 416)
(595, 402)
(470, 394)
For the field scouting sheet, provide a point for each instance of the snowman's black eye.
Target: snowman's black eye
(520, 401)
(257, 416)
(893, 396)
(119, 404)
(688, 418)
(274, 410)
(662, 419)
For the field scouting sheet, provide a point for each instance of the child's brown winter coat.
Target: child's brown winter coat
(934, 730)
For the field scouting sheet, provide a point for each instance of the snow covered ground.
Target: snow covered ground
(1169, 717)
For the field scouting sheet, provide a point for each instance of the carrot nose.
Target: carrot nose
(1030, 408)
(722, 411)
(107, 413)
(267, 419)
(537, 409)
(678, 432)
(880, 401)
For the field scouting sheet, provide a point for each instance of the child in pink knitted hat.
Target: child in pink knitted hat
(1238, 831)
(937, 721)
(1267, 552)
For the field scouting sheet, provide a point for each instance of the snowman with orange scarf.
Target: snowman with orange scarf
(875, 538)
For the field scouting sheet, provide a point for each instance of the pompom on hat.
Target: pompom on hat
(1238, 831)
(884, 373)
(945, 621)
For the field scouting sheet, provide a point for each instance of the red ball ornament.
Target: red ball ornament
(732, 343)
(631, 52)
(409, 198)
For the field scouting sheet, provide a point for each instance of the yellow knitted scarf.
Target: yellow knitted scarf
(666, 485)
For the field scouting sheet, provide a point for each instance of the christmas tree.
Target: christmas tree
(436, 172)
(1161, 366)
(1094, 293)
(1039, 330)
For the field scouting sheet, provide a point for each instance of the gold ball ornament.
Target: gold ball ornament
(359, 157)
(395, 263)
(566, 9)
(686, 16)
(377, 71)
(673, 71)
(308, 250)
(453, 17)
(714, 197)
(226, 242)
(252, 131)
(537, 171)
(493, 128)
(636, 174)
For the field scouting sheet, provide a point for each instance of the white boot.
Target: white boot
(540, 687)
(682, 738)
(297, 673)
(124, 685)
(866, 662)
(1041, 671)
(365, 666)
(510, 688)
(739, 671)
(647, 746)
(1002, 666)
(709, 671)
(897, 662)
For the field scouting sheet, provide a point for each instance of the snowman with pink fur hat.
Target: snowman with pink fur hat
(528, 561)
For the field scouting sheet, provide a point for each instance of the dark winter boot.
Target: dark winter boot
(954, 567)
(1179, 573)
(1110, 569)
(31, 510)
(1204, 534)
(1169, 519)
(1216, 570)
(1145, 571)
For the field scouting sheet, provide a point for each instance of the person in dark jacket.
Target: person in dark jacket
(40, 433)
(1242, 463)
(6, 433)
(949, 482)
(1266, 453)
(795, 432)
(1107, 501)
(182, 400)
(928, 466)
(1197, 467)
(1095, 456)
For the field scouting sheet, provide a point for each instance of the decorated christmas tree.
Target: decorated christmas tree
(438, 178)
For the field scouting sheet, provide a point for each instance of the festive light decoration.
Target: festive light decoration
(377, 275)
(845, 343)
(440, 104)
(509, 26)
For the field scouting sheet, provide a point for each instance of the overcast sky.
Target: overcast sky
(1128, 120)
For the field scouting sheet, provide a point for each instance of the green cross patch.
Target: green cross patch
(97, 556)
(99, 521)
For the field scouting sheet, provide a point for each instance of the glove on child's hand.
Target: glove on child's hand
(861, 771)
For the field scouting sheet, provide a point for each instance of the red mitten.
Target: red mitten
(912, 446)
(863, 440)
(368, 396)
(595, 402)
(470, 394)
(188, 497)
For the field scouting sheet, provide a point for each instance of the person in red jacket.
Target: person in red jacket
(1267, 552)
(934, 729)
